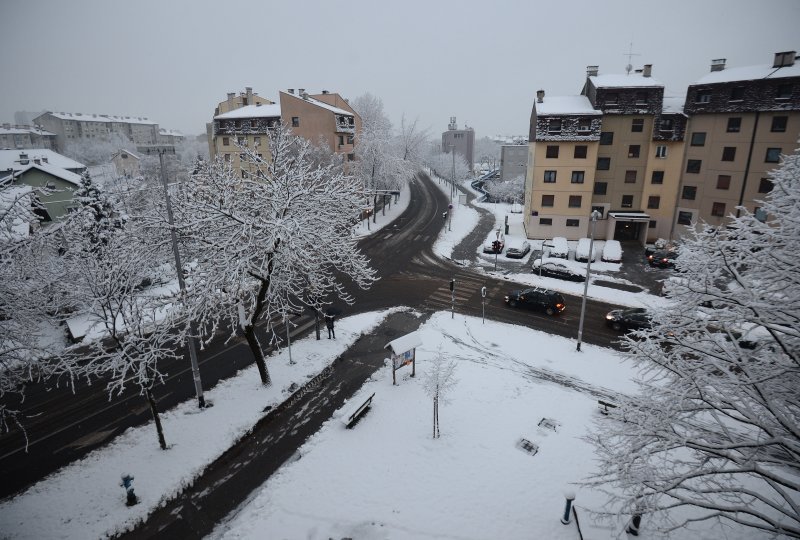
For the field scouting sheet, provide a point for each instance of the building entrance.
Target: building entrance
(627, 230)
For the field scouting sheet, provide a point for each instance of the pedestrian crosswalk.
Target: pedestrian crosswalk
(466, 290)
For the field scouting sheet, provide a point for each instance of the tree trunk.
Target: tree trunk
(258, 354)
(375, 209)
(434, 417)
(316, 323)
(154, 411)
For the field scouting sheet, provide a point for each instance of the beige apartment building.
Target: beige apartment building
(661, 162)
(245, 121)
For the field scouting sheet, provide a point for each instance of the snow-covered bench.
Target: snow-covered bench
(349, 418)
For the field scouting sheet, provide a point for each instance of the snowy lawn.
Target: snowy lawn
(388, 478)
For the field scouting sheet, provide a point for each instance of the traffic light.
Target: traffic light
(452, 285)
(496, 246)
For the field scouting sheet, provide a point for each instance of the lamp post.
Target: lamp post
(594, 217)
(453, 173)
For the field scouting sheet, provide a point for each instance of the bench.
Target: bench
(350, 419)
(605, 406)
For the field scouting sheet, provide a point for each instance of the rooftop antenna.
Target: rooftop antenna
(630, 54)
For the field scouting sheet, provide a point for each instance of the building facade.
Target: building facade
(245, 120)
(513, 161)
(661, 163)
(22, 136)
(462, 141)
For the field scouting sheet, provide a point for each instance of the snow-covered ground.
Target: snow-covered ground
(386, 478)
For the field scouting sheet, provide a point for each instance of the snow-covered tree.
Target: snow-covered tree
(132, 327)
(506, 191)
(715, 433)
(98, 210)
(441, 164)
(97, 151)
(437, 381)
(271, 241)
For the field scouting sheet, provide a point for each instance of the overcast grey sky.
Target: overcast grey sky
(481, 61)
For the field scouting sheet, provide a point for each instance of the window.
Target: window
(612, 98)
(603, 163)
(737, 93)
(784, 91)
(244, 174)
(606, 137)
(548, 200)
(573, 222)
(575, 201)
(295, 121)
(227, 157)
(577, 177)
(552, 151)
(226, 141)
(580, 151)
(584, 124)
(652, 224)
(545, 221)
(653, 201)
(253, 123)
(600, 188)
(661, 151)
(351, 157)
(350, 139)
(703, 96)
(256, 141)
(689, 193)
(554, 125)
(684, 218)
(773, 155)
(242, 157)
(637, 125)
(633, 151)
(729, 153)
(778, 124)
(693, 165)
(718, 209)
(549, 177)
(734, 124)
(666, 124)
(641, 98)
(599, 209)
(658, 177)
(627, 201)
(724, 181)
(341, 140)
(699, 138)
(630, 177)
(765, 186)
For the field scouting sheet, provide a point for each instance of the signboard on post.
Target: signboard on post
(403, 351)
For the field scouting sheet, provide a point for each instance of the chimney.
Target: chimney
(231, 95)
(540, 96)
(718, 64)
(301, 91)
(325, 92)
(591, 71)
(647, 70)
(784, 59)
(291, 91)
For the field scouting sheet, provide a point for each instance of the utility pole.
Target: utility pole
(198, 385)
(595, 215)
(453, 173)
(452, 298)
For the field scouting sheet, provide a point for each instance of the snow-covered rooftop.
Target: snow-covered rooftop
(21, 130)
(318, 103)
(173, 132)
(405, 343)
(252, 111)
(673, 104)
(565, 105)
(750, 73)
(632, 80)
(81, 117)
(11, 159)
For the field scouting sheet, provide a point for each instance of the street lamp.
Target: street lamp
(594, 217)
(453, 173)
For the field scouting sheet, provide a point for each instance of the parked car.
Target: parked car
(628, 319)
(662, 259)
(488, 246)
(612, 251)
(517, 249)
(545, 300)
(582, 250)
(558, 247)
(554, 269)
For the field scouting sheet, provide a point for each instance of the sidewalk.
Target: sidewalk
(275, 439)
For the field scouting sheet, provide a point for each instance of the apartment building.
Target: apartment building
(462, 141)
(513, 161)
(21, 136)
(76, 127)
(245, 121)
(661, 162)
(740, 122)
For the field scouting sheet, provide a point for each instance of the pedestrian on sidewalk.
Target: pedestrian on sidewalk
(329, 317)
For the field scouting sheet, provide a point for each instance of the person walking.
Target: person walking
(329, 317)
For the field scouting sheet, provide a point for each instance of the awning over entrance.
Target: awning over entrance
(630, 216)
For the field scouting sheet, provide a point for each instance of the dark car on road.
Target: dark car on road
(662, 259)
(628, 319)
(557, 270)
(545, 300)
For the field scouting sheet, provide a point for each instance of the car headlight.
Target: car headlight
(610, 316)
